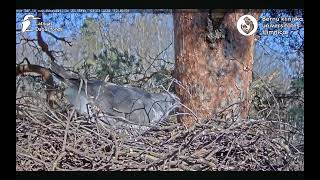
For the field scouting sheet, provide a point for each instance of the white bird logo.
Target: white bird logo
(27, 21)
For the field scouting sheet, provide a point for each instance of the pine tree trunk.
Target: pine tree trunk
(214, 75)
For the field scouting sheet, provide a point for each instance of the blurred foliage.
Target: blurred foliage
(296, 111)
(121, 68)
(297, 85)
(116, 66)
(270, 102)
(119, 59)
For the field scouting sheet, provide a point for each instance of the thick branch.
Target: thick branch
(44, 46)
(25, 68)
(44, 72)
(59, 38)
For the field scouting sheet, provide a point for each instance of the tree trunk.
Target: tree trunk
(214, 74)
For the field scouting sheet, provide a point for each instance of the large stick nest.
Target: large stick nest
(49, 139)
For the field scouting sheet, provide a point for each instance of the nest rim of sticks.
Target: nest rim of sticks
(59, 139)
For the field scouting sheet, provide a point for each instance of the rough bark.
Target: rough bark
(215, 75)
